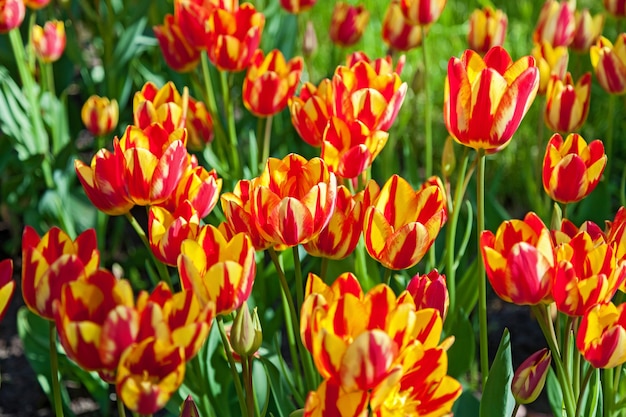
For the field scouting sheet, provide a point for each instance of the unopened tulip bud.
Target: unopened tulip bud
(49, 41)
(448, 159)
(246, 335)
(100, 115)
(309, 43)
(530, 377)
(189, 408)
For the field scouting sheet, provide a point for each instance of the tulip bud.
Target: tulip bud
(189, 408)
(11, 14)
(309, 43)
(448, 159)
(100, 115)
(246, 335)
(530, 377)
(49, 41)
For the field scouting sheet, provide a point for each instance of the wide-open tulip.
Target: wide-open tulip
(104, 181)
(550, 61)
(178, 53)
(616, 7)
(293, 199)
(270, 82)
(218, 270)
(52, 260)
(486, 99)
(609, 63)
(149, 373)
(422, 12)
(567, 104)
(155, 160)
(519, 260)
(430, 291)
(602, 335)
(348, 23)
(588, 30)
(487, 28)
(556, 23)
(7, 285)
(402, 224)
(49, 40)
(234, 36)
(311, 111)
(81, 312)
(398, 32)
(297, 6)
(198, 186)
(167, 230)
(12, 14)
(340, 237)
(100, 115)
(571, 168)
(587, 273)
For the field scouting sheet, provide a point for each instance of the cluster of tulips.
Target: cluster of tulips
(355, 351)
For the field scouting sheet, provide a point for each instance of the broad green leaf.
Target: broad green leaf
(497, 400)
(555, 396)
(467, 405)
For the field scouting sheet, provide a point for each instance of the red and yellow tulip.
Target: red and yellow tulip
(602, 335)
(530, 378)
(159, 105)
(588, 30)
(486, 99)
(567, 104)
(12, 14)
(311, 111)
(487, 28)
(556, 23)
(270, 82)
(348, 23)
(550, 61)
(199, 186)
(52, 260)
(571, 168)
(178, 53)
(402, 224)
(167, 230)
(220, 271)
(49, 40)
(7, 285)
(398, 32)
(615, 7)
(616, 234)
(297, 6)
(422, 12)
(609, 63)
(430, 291)
(508, 254)
(36, 4)
(100, 115)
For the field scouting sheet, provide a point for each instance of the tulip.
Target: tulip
(270, 82)
(36, 4)
(52, 260)
(508, 254)
(571, 168)
(609, 63)
(199, 125)
(398, 32)
(100, 115)
(348, 23)
(430, 291)
(198, 186)
(104, 181)
(616, 234)
(402, 224)
(487, 28)
(486, 99)
(167, 231)
(331, 399)
(340, 237)
(550, 61)
(568, 230)
(191, 17)
(567, 105)
(615, 7)
(380, 66)
(12, 14)
(556, 23)
(588, 30)
(422, 12)
(149, 373)
(587, 273)
(7, 285)
(311, 111)
(309, 41)
(159, 105)
(234, 36)
(49, 41)
(177, 52)
(530, 377)
(246, 335)
(602, 335)
(297, 6)
(218, 270)
(189, 408)
(293, 200)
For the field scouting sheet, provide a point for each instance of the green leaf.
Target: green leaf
(497, 400)
(467, 405)
(280, 393)
(555, 396)
(461, 354)
(466, 289)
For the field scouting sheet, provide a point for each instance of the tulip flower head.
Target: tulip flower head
(398, 32)
(556, 23)
(311, 111)
(567, 104)
(49, 40)
(12, 14)
(508, 254)
(609, 63)
(530, 378)
(297, 6)
(36, 4)
(487, 28)
(616, 8)
(588, 30)
(430, 291)
(348, 23)
(550, 61)
(571, 168)
(602, 335)
(178, 53)
(100, 115)
(486, 99)
(167, 231)
(199, 187)
(422, 12)
(616, 234)
(7, 285)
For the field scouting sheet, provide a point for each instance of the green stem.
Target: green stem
(210, 96)
(482, 283)
(451, 229)
(608, 392)
(428, 126)
(232, 366)
(121, 410)
(266, 139)
(609, 135)
(298, 272)
(583, 387)
(54, 371)
(324, 268)
(161, 268)
(387, 279)
(514, 413)
(230, 120)
(248, 386)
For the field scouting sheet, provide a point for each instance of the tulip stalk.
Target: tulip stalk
(267, 133)
(428, 126)
(54, 371)
(230, 120)
(231, 364)
(210, 97)
(482, 282)
(610, 127)
(121, 410)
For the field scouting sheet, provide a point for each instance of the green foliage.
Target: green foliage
(497, 399)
